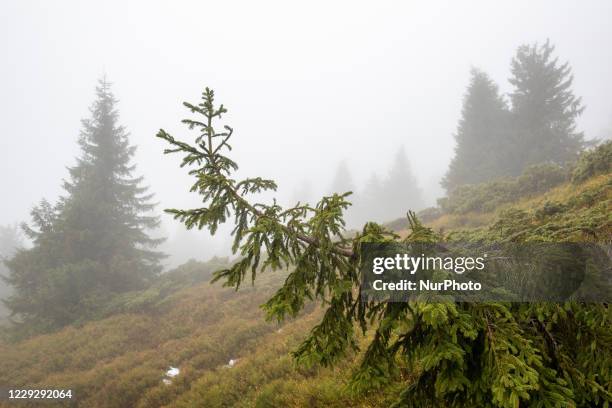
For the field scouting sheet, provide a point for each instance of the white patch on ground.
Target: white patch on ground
(231, 363)
(171, 373)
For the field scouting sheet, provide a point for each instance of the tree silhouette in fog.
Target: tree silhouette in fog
(544, 107)
(390, 198)
(93, 242)
(482, 136)
(494, 140)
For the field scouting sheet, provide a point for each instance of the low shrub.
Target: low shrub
(593, 162)
(488, 196)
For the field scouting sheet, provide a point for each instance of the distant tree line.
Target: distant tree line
(496, 137)
(383, 199)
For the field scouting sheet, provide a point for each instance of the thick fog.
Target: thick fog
(308, 86)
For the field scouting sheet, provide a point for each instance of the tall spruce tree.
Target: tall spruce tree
(544, 107)
(94, 242)
(449, 354)
(483, 136)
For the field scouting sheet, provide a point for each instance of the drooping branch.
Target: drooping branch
(302, 237)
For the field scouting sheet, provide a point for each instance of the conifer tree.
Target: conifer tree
(368, 206)
(342, 181)
(302, 192)
(10, 241)
(400, 189)
(483, 136)
(544, 107)
(94, 241)
(449, 354)
(386, 200)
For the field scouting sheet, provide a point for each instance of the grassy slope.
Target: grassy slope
(119, 361)
(575, 196)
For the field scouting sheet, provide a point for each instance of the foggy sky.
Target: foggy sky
(307, 84)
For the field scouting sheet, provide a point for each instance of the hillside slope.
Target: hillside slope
(185, 322)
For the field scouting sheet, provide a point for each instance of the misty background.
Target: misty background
(309, 87)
